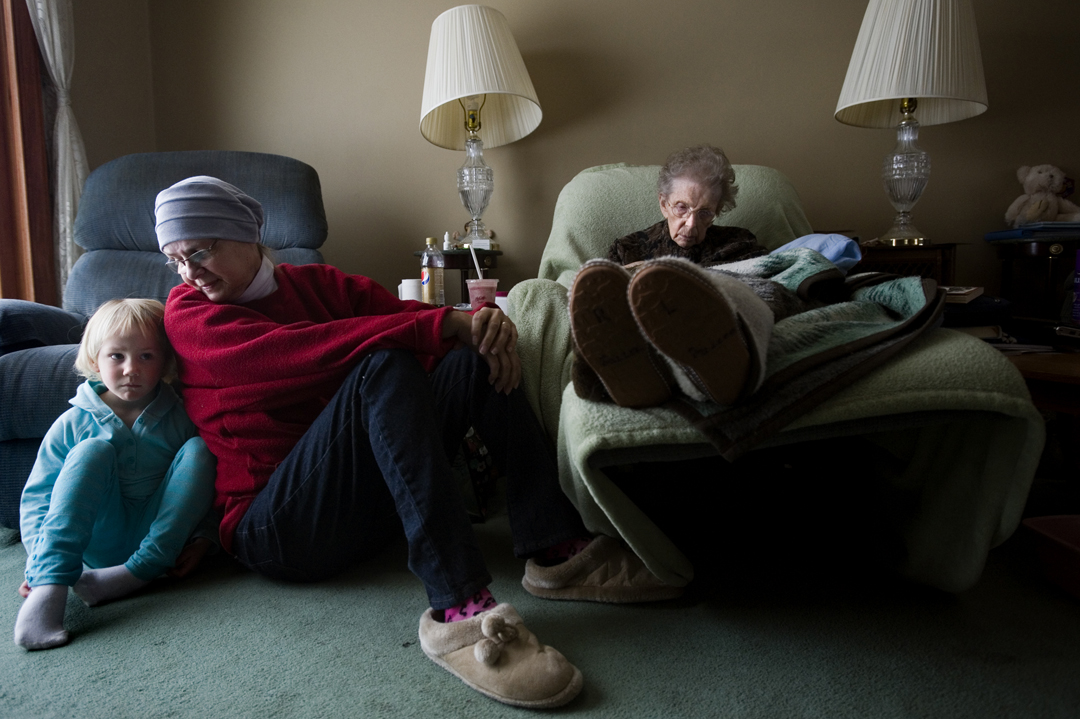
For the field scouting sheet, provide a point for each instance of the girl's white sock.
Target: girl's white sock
(40, 624)
(106, 584)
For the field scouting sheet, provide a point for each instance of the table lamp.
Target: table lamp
(476, 92)
(912, 54)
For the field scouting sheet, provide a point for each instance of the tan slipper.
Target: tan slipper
(686, 316)
(497, 656)
(604, 571)
(607, 339)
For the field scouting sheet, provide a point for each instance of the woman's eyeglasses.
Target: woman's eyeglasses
(683, 210)
(196, 259)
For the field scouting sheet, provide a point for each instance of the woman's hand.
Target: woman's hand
(493, 336)
(190, 556)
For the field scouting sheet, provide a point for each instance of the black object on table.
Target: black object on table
(983, 310)
(1034, 274)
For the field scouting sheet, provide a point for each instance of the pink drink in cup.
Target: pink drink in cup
(481, 291)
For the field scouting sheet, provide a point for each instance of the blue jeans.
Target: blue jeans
(378, 458)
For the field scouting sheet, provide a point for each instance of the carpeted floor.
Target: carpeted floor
(775, 634)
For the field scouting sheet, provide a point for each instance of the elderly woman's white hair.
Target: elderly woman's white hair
(704, 165)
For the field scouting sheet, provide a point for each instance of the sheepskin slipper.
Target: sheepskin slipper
(497, 656)
(712, 327)
(604, 571)
(606, 337)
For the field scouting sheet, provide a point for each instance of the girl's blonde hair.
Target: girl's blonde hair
(120, 318)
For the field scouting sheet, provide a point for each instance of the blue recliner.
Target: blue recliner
(115, 225)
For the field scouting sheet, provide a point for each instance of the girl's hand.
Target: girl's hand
(24, 589)
(190, 556)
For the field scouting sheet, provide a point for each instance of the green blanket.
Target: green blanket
(955, 414)
(814, 353)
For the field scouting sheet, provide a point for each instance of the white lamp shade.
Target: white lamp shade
(923, 49)
(472, 52)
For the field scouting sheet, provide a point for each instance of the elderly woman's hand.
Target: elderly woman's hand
(493, 336)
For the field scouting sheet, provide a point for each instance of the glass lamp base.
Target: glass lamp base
(903, 233)
(905, 173)
(476, 231)
(476, 183)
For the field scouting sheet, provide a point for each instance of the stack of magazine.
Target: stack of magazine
(1037, 231)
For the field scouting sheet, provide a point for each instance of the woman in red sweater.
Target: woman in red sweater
(333, 408)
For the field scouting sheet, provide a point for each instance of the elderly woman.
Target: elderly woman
(333, 407)
(672, 324)
(694, 186)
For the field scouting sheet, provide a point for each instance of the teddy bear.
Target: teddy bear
(1042, 200)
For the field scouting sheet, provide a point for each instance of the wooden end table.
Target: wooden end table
(1054, 382)
(1033, 274)
(1053, 379)
(936, 261)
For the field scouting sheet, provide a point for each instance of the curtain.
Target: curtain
(27, 266)
(54, 26)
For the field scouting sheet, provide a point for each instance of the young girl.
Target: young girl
(121, 479)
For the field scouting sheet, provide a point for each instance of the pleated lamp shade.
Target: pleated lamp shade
(472, 52)
(922, 49)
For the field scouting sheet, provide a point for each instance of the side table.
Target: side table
(1054, 382)
(1033, 275)
(935, 262)
(1053, 379)
(461, 260)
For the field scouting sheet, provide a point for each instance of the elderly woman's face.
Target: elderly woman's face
(689, 210)
(224, 274)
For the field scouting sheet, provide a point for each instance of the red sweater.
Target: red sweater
(256, 376)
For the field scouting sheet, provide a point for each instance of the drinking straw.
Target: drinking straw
(476, 262)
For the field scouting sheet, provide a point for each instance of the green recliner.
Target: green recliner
(955, 415)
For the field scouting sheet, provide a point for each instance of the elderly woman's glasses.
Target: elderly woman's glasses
(196, 259)
(683, 211)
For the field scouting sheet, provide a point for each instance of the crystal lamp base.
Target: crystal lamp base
(903, 233)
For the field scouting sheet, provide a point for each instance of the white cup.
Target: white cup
(410, 290)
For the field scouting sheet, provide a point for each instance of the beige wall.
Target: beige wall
(338, 84)
(112, 81)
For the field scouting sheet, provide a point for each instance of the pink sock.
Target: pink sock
(470, 607)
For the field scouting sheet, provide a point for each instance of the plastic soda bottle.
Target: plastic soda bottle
(431, 274)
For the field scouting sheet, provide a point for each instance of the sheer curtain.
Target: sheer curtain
(54, 26)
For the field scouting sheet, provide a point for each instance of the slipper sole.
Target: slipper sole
(607, 338)
(688, 320)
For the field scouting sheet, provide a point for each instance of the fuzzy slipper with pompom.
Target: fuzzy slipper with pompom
(497, 656)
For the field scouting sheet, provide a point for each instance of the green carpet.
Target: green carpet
(227, 643)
